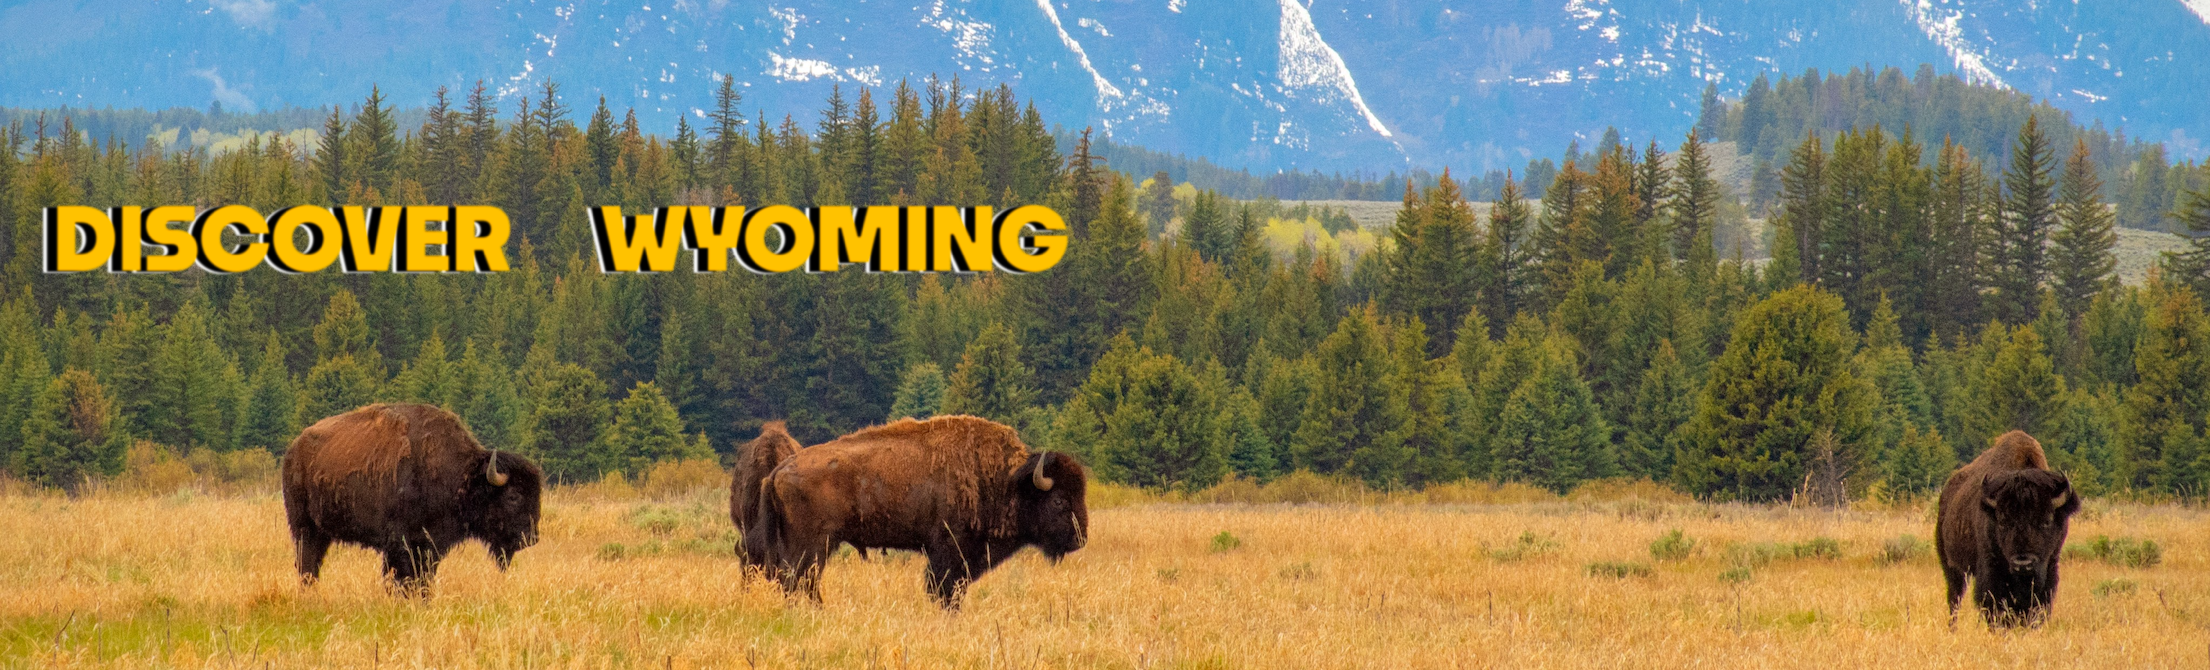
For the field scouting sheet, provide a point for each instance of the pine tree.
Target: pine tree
(1206, 229)
(1157, 202)
(1959, 237)
(601, 150)
(484, 395)
(1664, 401)
(2019, 389)
(990, 382)
(428, 378)
(2191, 268)
(1783, 378)
(2161, 429)
(193, 381)
(373, 146)
(335, 386)
(1085, 417)
(1351, 410)
(1918, 462)
(1251, 453)
(646, 430)
(1432, 446)
(270, 414)
(725, 140)
(2110, 329)
(1695, 203)
(330, 160)
(2080, 258)
(1166, 432)
(2027, 215)
(1803, 205)
(1507, 240)
(567, 424)
(1550, 433)
(70, 434)
(920, 392)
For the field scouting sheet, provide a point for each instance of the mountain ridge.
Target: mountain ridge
(1267, 84)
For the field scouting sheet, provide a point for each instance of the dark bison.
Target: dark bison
(409, 481)
(754, 460)
(2003, 521)
(961, 490)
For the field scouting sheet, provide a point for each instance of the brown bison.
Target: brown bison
(754, 460)
(2003, 521)
(962, 491)
(409, 481)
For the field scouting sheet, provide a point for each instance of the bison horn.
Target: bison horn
(1037, 476)
(491, 470)
(2059, 500)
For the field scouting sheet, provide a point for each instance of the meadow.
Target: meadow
(193, 579)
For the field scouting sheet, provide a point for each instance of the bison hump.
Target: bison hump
(368, 443)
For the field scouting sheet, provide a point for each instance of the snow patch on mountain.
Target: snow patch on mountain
(970, 37)
(797, 69)
(1942, 28)
(2201, 9)
(1308, 62)
(1107, 93)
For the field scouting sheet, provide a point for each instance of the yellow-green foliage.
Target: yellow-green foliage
(1285, 235)
(205, 581)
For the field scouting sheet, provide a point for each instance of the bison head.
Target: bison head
(1053, 512)
(502, 498)
(2029, 511)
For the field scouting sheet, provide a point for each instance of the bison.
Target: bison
(2003, 521)
(963, 491)
(409, 481)
(754, 460)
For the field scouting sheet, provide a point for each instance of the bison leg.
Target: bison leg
(411, 568)
(309, 547)
(1955, 578)
(949, 571)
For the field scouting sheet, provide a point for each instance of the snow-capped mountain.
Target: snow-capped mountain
(1331, 84)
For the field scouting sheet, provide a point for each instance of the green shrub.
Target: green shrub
(1300, 572)
(2114, 587)
(1618, 569)
(1755, 554)
(2121, 551)
(1224, 542)
(1818, 547)
(1528, 545)
(662, 521)
(1672, 546)
(1902, 548)
(613, 551)
(1735, 575)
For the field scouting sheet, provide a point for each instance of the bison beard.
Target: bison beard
(961, 490)
(2003, 521)
(408, 481)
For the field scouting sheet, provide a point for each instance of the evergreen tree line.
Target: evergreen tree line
(1596, 332)
(131, 126)
(1771, 118)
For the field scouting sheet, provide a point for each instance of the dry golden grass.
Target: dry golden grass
(189, 580)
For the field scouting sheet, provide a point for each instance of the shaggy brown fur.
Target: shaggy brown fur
(407, 480)
(959, 489)
(754, 460)
(2003, 520)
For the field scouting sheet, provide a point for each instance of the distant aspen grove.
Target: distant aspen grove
(1888, 305)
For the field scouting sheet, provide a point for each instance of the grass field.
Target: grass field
(191, 580)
